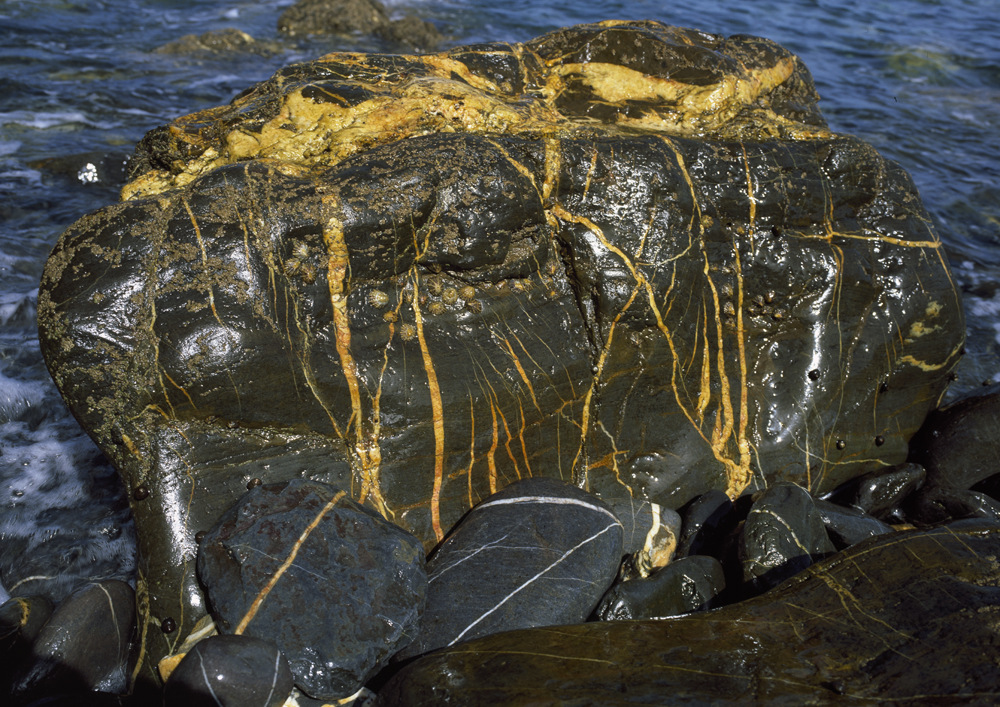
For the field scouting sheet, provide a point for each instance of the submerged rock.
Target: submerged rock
(538, 553)
(625, 255)
(893, 619)
(334, 585)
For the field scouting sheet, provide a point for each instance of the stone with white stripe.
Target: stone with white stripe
(782, 535)
(230, 671)
(538, 553)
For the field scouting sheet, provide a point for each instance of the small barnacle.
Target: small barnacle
(520, 285)
(450, 295)
(474, 305)
(300, 250)
(467, 293)
(728, 309)
(308, 273)
(378, 299)
(434, 286)
(293, 266)
(436, 307)
(727, 289)
(390, 316)
(769, 297)
(407, 332)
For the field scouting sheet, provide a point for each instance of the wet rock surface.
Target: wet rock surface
(354, 273)
(894, 618)
(538, 553)
(231, 671)
(85, 645)
(783, 534)
(689, 584)
(334, 585)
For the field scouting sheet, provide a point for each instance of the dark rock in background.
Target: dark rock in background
(959, 446)
(894, 619)
(538, 553)
(622, 255)
(21, 618)
(230, 671)
(222, 41)
(782, 535)
(689, 584)
(333, 17)
(337, 587)
(846, 526)
(86, 644)
(706, 522)
(881, 493)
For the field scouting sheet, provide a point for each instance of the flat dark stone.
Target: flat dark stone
(538, 553)
(230, 671)
(337, 587)
(892, 620)
(782, 535)
(689, 584)
(85, 646)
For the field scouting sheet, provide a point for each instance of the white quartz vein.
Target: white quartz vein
(553, 500)
(532, 579)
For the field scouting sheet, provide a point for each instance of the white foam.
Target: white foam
(16, 397)
(43, 120)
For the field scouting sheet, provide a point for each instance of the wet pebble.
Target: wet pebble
(84, 646)
(782, 535)
(688, 584)
(538, 553)
(351, 590)
(880, 494)
(706, 522)
(230, 671)
(847, 526)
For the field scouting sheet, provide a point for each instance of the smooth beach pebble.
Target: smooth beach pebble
(538, 553)
(782, 535)
(85, 644)
(230, 671)
(689, 584)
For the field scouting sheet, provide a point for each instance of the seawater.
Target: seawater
(80, 83)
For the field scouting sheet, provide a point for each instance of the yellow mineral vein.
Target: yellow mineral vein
(365, 443)
(437, 409)
(266, 589)
(517, 364)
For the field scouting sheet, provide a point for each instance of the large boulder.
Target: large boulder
(626, 255)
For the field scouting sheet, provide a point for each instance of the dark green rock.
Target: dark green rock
(85, 646)
(689, 584)
(337, 587)
(539, 553)
(624, 255)
(332, 17)
(909, 618)
(230, 671)
(782, 535)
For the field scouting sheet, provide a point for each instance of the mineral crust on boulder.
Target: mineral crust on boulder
(626, 255)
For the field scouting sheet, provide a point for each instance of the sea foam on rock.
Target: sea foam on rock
(629, 256)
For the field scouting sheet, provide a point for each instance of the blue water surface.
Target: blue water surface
(80, 79)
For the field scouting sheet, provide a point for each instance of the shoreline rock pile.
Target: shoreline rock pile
(618, 290)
